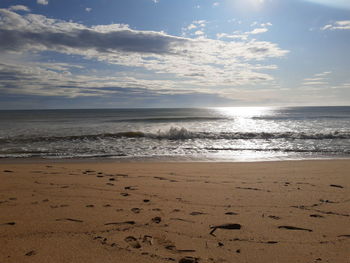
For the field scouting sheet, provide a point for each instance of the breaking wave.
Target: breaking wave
(184, 134)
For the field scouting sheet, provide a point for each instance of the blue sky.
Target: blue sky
(166, 53)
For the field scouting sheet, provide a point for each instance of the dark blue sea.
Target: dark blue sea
(218, 134)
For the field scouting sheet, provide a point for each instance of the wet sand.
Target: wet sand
(294, 211)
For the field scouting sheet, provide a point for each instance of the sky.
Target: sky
(173, 53)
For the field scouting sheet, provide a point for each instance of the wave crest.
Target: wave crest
(175, 133)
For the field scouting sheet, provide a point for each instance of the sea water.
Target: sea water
(222, 134)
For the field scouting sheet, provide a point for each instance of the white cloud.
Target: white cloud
(19, 8)
(342, 86)
(262, 24)
(338, 25)
(201, 23)
(42, 2)
(323, 74)
(196, 25)
(216, 4)
(232, 36)
(88, 9)
(266, 24)
(308, 83)
(258, 31)
(191, 26)
(242, 35)
(155, 1)
(167, 62)
(199, 33)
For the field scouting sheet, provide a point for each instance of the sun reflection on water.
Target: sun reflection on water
(244, 112)
(247, 120)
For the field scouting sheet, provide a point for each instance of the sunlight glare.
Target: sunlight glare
(243, 112)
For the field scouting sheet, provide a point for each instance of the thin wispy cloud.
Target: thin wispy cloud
(318, 79)
(42, 2)
(245, 35)
(338, 25)
(19, 8)
(258, 31)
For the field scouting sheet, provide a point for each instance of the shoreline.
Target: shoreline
(284, 211)
(160, 159)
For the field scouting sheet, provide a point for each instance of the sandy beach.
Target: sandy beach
(290, 211)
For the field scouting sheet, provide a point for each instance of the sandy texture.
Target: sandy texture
(291, 212)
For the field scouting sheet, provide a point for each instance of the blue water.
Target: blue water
(223, 134)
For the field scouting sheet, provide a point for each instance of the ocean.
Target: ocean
(203, 134)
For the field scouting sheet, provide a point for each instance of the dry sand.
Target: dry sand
(295, 211)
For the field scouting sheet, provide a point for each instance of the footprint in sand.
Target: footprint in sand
(88, 171)
(103, 241)
(231, 213)
(317, 216)
(147, 239)
(196, 213)
(132, 241)
(31, 253)
(136, 210)
(130, 188)
(70, 219)
(274, 217)
(156, 219)
(121, 223)
(9, 224)
(337, 186)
